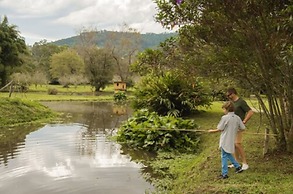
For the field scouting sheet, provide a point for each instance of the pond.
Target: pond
(73, 156)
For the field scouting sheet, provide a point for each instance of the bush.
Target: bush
(148, 131)
(170, 94)
(120, 97)
(52, 91)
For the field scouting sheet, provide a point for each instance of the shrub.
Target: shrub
(170, 94)
(120, 97)
(148, 131)
(52, 91)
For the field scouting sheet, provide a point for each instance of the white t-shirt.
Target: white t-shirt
(229, 125)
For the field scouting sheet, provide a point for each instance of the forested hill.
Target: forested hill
(149, 40)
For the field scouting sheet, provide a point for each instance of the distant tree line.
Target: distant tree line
(148, 40)
(92, 58)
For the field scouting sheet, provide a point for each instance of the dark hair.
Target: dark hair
(229, 106)
(232, 91)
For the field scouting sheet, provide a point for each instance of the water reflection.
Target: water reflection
(72, 157)
(11, 139)
(93, 114)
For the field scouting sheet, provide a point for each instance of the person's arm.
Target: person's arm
(248, 116)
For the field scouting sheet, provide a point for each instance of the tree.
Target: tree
(98, 67)
(42, 52)
(12, 45)
(248, 41)
(124, 46)
(168, 56)
(98, 62)
(66, 64)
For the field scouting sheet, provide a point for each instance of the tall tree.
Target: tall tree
(66, 64)
(246, 40)
(124, 46)
(12, 45)
(98, 67)
(98, 62)
(42, 52)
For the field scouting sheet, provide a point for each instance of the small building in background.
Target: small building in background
(119, 86)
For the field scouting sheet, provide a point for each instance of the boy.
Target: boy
(228, 126)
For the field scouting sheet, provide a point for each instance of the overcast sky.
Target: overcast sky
(57, 19)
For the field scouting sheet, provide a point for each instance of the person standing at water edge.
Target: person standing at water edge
(244, 112)
(229, 124)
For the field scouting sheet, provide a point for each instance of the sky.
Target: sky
(53, 20)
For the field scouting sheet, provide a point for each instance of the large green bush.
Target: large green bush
(148, 131)
(170, 94)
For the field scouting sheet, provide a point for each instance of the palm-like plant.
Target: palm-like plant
(169, 94)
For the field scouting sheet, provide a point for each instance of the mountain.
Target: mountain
(149, 40)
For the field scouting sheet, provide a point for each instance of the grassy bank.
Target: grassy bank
(73, 93)
(198, 173)
(16, 111)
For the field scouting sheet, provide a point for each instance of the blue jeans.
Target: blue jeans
(225, 156)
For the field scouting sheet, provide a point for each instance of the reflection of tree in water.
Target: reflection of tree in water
(11, 139)
(100, 120)
(103, 116)
(96, 115)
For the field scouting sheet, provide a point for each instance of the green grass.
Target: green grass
(16, 111)
(86, 89)
(79, 93)
(199, 173)
(41, 96)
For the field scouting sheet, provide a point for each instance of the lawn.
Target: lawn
(73, 93)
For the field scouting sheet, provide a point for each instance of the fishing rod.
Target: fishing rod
(202, 130)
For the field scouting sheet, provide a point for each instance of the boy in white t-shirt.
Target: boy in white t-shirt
(228, 126)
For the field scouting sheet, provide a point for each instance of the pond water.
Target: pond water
(75, 156)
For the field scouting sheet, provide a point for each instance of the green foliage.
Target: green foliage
(66, 63)
(120, 97)
(151, 132)
(12, 45)
(148, 62)
(42, 52)
(170, 94)
(245, 41)
(168, 56)
(98, 66)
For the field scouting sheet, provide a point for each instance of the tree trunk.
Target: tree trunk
(290, 139)
(266, 142)
(3, 78)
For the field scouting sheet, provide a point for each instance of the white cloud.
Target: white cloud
(57, 19)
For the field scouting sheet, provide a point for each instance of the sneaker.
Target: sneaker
(224, 176)
(239, 169)
(245, 166)
(230, 166)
